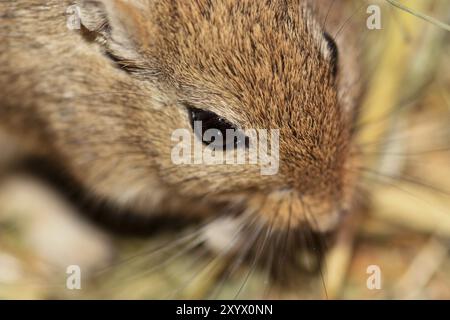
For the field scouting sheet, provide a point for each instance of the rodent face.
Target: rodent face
(257, 64)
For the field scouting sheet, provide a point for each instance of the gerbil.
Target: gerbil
(103, 100)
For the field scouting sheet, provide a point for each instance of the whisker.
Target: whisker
(238, 262)
(407, 135)
(324, 24)
(227, 249)
(406, 179)
(312, 242)
(377, 179)
(284, 247)
(269, 267)
(341, 28)
(363, 125)
(195, 243)
(404, 154)
(255, 260)
(161, 248)
(422, 16)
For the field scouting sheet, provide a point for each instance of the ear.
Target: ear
(118, 25)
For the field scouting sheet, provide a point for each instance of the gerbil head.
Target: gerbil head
(235, 65)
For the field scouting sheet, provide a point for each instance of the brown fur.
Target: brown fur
(260, 64)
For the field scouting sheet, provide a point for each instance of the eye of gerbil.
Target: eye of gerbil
(333, 51)
(214, 130)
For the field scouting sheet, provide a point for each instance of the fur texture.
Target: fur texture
(104, 100)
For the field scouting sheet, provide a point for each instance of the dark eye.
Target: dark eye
(334, 52)
(214, 130)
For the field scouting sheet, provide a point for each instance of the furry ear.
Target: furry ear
(115, 24)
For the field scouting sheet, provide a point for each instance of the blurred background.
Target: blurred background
(404, 231)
